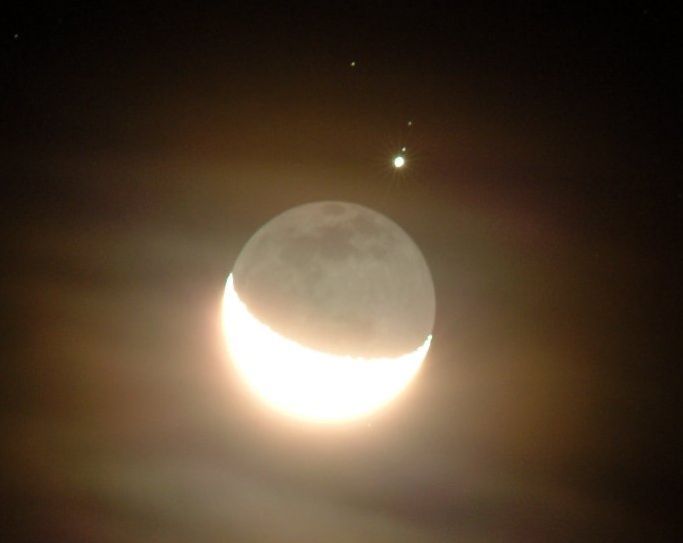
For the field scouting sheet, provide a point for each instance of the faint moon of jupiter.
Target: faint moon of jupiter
(328, 311)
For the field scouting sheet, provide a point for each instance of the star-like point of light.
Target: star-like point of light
(399, 161)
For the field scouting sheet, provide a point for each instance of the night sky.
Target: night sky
(142, 146)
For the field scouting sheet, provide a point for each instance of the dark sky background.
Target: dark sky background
(142, 146)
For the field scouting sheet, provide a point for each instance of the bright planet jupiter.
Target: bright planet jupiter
(328, 311)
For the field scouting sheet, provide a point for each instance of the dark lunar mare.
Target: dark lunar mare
(340, 278)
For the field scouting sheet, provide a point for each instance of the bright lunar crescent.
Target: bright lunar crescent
(328, 311)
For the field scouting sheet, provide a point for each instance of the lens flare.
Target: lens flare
(306, 383)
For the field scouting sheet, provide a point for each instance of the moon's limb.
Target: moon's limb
(306, 383)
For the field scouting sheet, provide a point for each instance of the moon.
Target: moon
(328, 311)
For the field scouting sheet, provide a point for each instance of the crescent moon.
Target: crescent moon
(307, 383)
(328, 311)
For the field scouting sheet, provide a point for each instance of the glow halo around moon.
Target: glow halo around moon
(306, 383)
(328, 311)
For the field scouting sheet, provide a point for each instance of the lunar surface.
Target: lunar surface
(329, 310)
(339, 278)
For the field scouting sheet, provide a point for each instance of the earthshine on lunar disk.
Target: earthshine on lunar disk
(328, 311)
